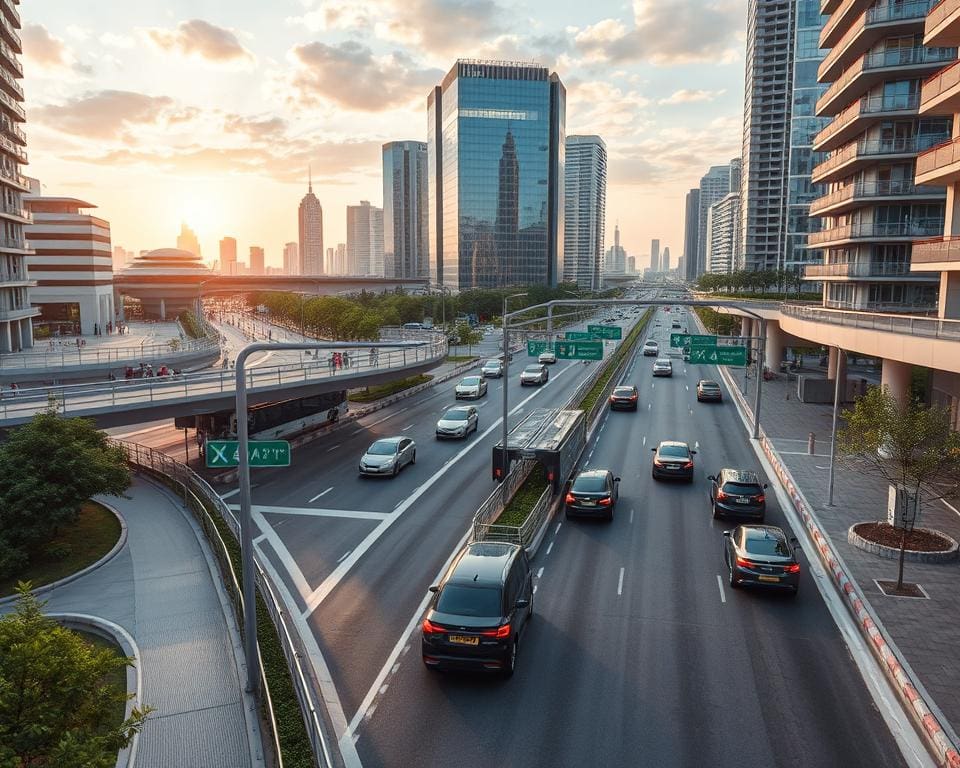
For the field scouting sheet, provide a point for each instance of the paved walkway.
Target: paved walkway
(926, 631)
(160, 589)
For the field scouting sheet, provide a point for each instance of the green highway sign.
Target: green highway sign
(579, 350)
(534, 348)
(580, 336)
(606, 331)
(262, 453)
(692, 340)
(719, 355)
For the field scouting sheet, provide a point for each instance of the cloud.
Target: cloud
(256, 129)
(688, 96)
(678, 32)
(117, 41)
(596, 106)
(202, 40)
(108, 114)
(49, 53)
(350, 75)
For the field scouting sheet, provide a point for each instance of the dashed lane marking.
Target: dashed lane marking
(723, 597)
(333, 448)
(322, 493)
(620, 583)
(550, 547)
(540, 573)
(344, 556)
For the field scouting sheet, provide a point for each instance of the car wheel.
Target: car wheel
(396, 469)
(653, 474)
(510, 663)
(609, 515)
(793, 592)
(734, 584)
(413, 459)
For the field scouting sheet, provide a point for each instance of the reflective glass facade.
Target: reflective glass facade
(495, 163)
(405, 242)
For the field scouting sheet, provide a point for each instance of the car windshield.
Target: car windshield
(492, 364)
(741, 489)
(382, 448)
(623, 391)
(469, 601)
(471, 381)
(589, 484)
(455, 414)
(674, 451)
(651, 344)
(532, 369)
(767, 545)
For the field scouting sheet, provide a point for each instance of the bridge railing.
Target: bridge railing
(64, 356)
(80, 399)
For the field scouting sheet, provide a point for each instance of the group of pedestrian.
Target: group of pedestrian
(339, 360)
(14, 390)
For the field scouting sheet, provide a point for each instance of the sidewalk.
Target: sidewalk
(160, 589)
(926, 631)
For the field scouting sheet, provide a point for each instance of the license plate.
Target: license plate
(589, 503)
(464, 640)
(743, 501)
(769, 578)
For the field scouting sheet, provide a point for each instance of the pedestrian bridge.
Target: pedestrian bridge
(117, 403)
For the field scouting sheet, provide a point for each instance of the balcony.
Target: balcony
(11, 12)
(942, 27)
(859, 116)
(20, 215)
(10, 58)
(880, 231)
(852, 271)
(940, 94)
(940, 165)
(861, 154)
(872, 193)
(836, 25)
(868, 29)
(15, 178)
(871, 69)
(932, 328)
(10, 315)
(829, 6)
(939, 254)
(11, 130)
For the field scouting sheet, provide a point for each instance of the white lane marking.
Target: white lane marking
(723, 597)
(407, 427)
(557, 529)
(480, 405)
(228, 494)
(540, 573)
(696, 445)
(550, 547)
(355, 514)
(631, 517)
(620, 583)
(322, 493)
(333, 448)
(260, 538)
(338, 573)
(644, 440)
(535, 588)
(649, 406)
(286, 559)
(653, 384)
(687, 386)
(380, 421)
(344, 555)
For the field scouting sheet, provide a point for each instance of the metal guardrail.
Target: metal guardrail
(200, 499)
(82, 399)
(911, 325)
(61, 357)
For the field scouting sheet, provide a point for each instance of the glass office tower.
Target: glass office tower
(496, 167)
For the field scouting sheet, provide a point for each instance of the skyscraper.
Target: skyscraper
(364, 239)
(665, 259)
(187, 240)
(310, 219)
(616, 258)
(654, 255)
(495, 154)
(340, 260)
(228, 256)
(715, 185)
(723, 234)
(585, 203)
(331, 267)
(256, 260)
(406, 244)
(691, 230)
(291, 259)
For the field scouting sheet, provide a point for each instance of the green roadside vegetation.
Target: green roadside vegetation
(75, 546)
(623, 349)
(191, 325)
(716, 322)
(523, 501)
(460, 358)
(754, 295)
(115, 679)
(369, 394)
(762, 284)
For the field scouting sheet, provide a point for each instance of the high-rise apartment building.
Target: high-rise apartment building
(331, 267)
(691, 234)
(585, 203)
(257, 260)
(72, 264)
(723, 234)
(665, 259)
(406, 242)
(654, 255)
(365, 239)
(631, 265)
(873, 209)
(340, 260)
(228, 256)
(291, 259)
(310, 224)
(187, 240)
(615, 262)
(714, 186)
(495, 154)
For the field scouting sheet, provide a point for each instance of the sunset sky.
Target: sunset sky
(210, 112)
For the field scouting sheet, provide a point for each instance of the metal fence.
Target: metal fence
(903, 324)
(63, 356)
(203, 502)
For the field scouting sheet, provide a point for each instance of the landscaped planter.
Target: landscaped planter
(944, 550)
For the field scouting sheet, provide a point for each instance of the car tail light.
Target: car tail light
(792, 568)
(633, 397)
(760, 499)
(429, 628)
(499, 632)
(605, 502)
(722, 496)
(688, 465)
(744, 563)
(571, 499)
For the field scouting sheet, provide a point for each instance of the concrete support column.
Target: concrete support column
(163, 309)
(746, 326)
(896, 377)
(5, 345)
(774, 350)
(26, 334)
(832, 359)
(950, 294)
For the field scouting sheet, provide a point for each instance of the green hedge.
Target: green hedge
(625, 348)
(191, 325)
(380, 391)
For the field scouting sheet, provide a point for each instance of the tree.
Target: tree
(48, 469)
(904, 443)
(468, 335)
(55, 709)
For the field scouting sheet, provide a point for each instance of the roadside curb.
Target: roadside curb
(53, 585)
(913, 697)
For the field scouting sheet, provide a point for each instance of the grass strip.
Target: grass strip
(82, 543)
(718, 323)
(369, 394)
(460, 358)
(590, 398)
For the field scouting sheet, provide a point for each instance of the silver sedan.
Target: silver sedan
(388, 456)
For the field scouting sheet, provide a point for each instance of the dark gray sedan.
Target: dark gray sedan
(761, 555)
(672, 460)
(594, 492)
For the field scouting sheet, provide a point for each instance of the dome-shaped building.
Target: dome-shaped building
(166, 281)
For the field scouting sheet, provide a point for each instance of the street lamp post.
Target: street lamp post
(506, 376)
(838, 374)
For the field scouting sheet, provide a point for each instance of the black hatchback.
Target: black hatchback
(479, 609)
(738, 493)
(593, 493)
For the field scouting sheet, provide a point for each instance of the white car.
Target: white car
(388, 456)
(534, 374)
(547, 358)
(470, 388)
(492, 369)
(662, 367)
(651, 348)
(458, 421)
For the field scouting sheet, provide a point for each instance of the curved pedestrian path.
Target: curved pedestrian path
(161, 588)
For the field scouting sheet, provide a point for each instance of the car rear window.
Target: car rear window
(589, 484)
(469, 601)
(709, 385)
(742, 489)
(768, 545)
(623, 391)
(674, 450)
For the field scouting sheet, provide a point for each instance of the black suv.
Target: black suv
(479, 608)
(737, 493)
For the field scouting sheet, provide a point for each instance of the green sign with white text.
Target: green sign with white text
(719, 355)
(262, 453)
(692, 340)
(579, 350)
(606, 331)
(534, 348)
(580, 336)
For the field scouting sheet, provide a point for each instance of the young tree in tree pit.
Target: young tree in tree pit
(48, 469)
(903, 443)
(55, 708)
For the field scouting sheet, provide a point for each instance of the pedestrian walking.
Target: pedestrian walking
(373, 356)
(346, 360)
(13, 388)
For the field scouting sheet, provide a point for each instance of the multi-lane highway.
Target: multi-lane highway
(639, 653)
